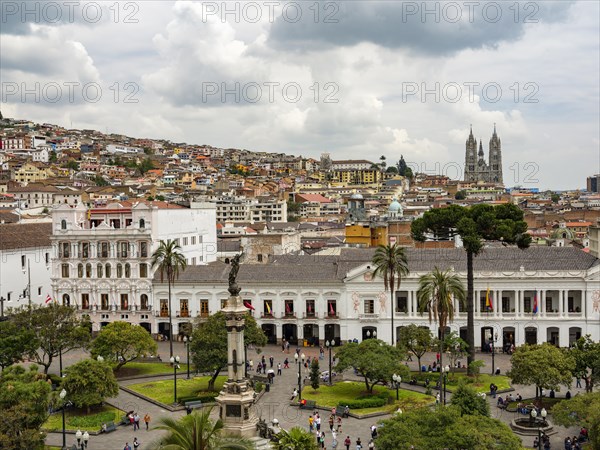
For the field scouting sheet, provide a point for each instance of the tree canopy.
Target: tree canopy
(89, 382)
(469, 402)
(24, 400)
(587, 361)
(56, 328)
(544, 366)
(296, 438)
(15, 343)
(122, 342)
(374, 360)
(445, 428)
(583, 411)
(416, 340)
(209, 344)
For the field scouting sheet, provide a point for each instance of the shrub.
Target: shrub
(374, 401)
(475, 367)
(259, 386)
(204, 397)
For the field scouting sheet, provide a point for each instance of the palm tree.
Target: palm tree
(391, 265)
(436, 294)
(169, 260)
(197, 432)
(295, 439)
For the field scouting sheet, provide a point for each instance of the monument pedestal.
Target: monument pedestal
(236, 399)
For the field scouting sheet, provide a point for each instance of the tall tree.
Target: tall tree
(56, 328)
(374, 360)
(209, 343)
(544, 366)
(295, 439)
(314, 374)
(587, 361)
(122, 342)
(391, 265)
(24, 400)
(468, 400)
(583, 411)
(475, 225)
(436, 294)
(197, 432)
(416, 340)
(169, 260)
(88, 382)
(15, 343)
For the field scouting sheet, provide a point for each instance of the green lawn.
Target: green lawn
(76, 419)
(147, 368)
(481, 384)
(342, 392)
(162, 390)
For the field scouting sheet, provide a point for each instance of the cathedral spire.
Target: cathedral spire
(494, 129)
(480, 148)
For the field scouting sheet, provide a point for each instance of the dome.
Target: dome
(395, 206)
(356, 196)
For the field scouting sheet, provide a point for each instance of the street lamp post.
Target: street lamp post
(188, 341)
(445, 371)
(397, 380)
(62, 396)
(495, 339)
(543, 413)
(175, 361)
(374, 334)
(329, 345)
(300, 361)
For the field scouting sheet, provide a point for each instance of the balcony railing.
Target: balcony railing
(310, 315)
(332, 316)
(267, 315)
(183, 314)
(366, 317)
(290, 315)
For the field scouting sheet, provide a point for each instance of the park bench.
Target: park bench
(310, 404)
(193, 404)
(110, 426)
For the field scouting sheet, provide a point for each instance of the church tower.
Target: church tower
(471, 158)
(495, 159)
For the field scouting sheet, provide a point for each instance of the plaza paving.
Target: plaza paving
(275, 404)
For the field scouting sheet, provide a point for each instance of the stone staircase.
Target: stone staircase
(261, 443)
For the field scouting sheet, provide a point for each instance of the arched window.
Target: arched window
(63, 224)
(142, 223)
(88, 270)
(99, 270)
(119, 270)
(127, 270)
(79, 270)
(107, 267)
(143, 302)
(66, 300)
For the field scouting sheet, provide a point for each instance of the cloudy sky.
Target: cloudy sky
(357, 79)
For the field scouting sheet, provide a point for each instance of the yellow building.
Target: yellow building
(30, 172)
(352, 176)
(367, 234)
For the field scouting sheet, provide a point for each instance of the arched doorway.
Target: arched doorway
(103, 324)
(269, 330)
(508, 338)
(552, 336)
(311, 334)
(163, 330)
(146, 326)
(369, 333)
(487, 334)
(446, 332)
(332, 332)
(290, 333)
(531, 335)
(463, 333)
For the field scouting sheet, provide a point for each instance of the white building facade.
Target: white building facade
(102, 256)
(309, 299)
(25, 264)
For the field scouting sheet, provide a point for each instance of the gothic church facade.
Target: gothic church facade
(476, 167)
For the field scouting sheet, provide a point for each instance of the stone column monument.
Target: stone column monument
(236, 400)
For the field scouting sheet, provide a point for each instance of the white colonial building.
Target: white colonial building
(307, 299)
(102, 256)
(25, 263)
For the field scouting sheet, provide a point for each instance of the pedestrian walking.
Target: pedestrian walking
(310, 423)
(294, 394)
(136, 443)
(127, 446)
(358, 444)
(286, 363)
(347, 442)
(278, 368)
(322, 439)
(271, 359)
(578, 380)
(147, 420)
(136, 421)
